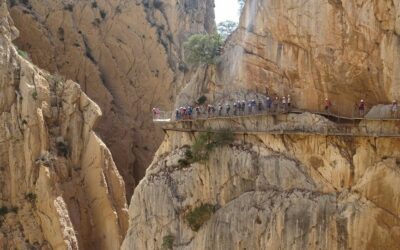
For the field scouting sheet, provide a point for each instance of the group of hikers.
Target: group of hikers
(239, 107)
(242, 107)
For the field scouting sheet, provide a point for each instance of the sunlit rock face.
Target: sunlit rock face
(285, 191)
(272, 192)
(59, 186)
(126, 55)
(344, 50)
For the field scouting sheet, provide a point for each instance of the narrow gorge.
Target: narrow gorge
(322, 173)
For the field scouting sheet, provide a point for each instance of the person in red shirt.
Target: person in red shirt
(328, 105)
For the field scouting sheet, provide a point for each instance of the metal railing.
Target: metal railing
(170, 116)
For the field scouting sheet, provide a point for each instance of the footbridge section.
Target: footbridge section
(291, 123)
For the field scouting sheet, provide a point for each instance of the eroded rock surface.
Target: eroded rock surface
(127, 56)
(59, 186)
(344, 50)
(272, 192)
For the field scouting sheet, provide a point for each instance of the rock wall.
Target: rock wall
(127, 56)
(268, 191)
(345, 50)
(59, 186)
(271, 192)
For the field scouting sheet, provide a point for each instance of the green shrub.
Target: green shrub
(223, 137)
(103, 14)
(202, 49)
(4, 210)
(24, 54)
(201, 147)
(198, 216)
(168, 242)
(34, 94)
(207, 141)
(202, 99)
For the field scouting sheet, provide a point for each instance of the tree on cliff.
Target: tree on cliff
(226, 28)
(202, 48)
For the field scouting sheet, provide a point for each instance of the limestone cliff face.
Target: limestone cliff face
(345, 50)
(127, 56)
(285, 191)
(271, 192)
(59, 186)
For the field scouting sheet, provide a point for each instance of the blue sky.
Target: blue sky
(226, 10)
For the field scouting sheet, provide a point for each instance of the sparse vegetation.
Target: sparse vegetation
(31, 197)
(103, 14)
(201, 100)
(69, 7)
(207, 141)
(34, 95)
(62, 149)
(198, 216)
(203, 146)
(94, 4)
(4, 210)
(24, 54)
(168, 242)
(183, 67)
(202, 49)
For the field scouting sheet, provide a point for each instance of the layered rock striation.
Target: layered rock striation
(280, 190)
(127, 56)
(270, 192)
(344, 50)
(59, 186)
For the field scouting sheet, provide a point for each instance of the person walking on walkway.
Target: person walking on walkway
(289, 102)
(249, 106)
(276, 104)
(284, 103)
(177, 114)
(394, 109)
(228, 108)
(260, 107)
(361, 108)
(197, 111)
(235, 106)
(268, 104)
(220, 109)
(328, 105)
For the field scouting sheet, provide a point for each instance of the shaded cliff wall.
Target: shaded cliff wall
(127, 56)
(59, 186)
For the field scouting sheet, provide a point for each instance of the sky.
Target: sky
(226, 10)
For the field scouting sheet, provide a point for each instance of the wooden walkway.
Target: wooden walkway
(344, 126)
